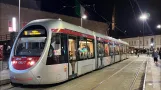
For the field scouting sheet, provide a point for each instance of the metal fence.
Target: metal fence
(5, 37)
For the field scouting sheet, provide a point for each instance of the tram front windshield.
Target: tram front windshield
(31, 42)
(31, 46)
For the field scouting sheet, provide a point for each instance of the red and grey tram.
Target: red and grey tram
(48, 51)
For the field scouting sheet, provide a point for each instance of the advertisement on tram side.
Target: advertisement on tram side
(1, 52)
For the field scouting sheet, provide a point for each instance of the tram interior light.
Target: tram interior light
(31, 63)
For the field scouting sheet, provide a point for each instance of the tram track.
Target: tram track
(145, 75)
(131, 86)
(143, 65)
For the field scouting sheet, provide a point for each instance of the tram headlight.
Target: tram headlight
(14, 62)
(31, 63)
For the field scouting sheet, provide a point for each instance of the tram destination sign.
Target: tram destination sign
(33, 32)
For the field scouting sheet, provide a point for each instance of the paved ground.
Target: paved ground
(3, 65)
(4, 73)
(153, 76)
(120, 76)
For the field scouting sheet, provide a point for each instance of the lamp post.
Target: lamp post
(143, 17)
(159, 27)
(83, 17)
(19, 13)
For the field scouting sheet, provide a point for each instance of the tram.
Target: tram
(48, 51)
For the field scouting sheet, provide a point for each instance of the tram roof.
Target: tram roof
(60, 24)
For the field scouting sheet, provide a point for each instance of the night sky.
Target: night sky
(127, 19)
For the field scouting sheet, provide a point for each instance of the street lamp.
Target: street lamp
(159, 26)
(143, 17)
(83, 17)
(19, 15)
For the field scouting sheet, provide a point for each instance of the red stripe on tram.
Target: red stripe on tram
(67, 31)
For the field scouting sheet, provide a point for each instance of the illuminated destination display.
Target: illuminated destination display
(33, 32)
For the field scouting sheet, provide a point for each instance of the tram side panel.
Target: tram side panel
(106, 58)
(85, 66)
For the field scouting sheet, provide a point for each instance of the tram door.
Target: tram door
(100, 54)
(72, 50)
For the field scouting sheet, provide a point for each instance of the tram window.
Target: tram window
(121, 49)
(117, 51)
(31, 41)
(124, 49)
(54, 51)
(55, 55)
(82, 48)
(106, 49)
(64, 49)
(111, 49)
(100, 49)
(30, 46)
(90, 48)
(58, 50)
(72, 48)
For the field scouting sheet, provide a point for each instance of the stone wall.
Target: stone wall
(8, 11)
(137, 42)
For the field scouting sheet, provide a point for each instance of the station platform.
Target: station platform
(4, 73)
(153, 75)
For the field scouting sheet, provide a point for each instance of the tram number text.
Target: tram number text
(21, 62)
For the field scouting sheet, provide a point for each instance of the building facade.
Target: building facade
(149, 41)
(7, 12)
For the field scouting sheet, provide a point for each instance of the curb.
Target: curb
(4, 77)
(3, 82)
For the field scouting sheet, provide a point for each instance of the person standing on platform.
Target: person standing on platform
(138, 52)
(160, 53)
(155, 56)
(148, 52)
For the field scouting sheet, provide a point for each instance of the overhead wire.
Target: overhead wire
(109, 22)
(61, 8)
